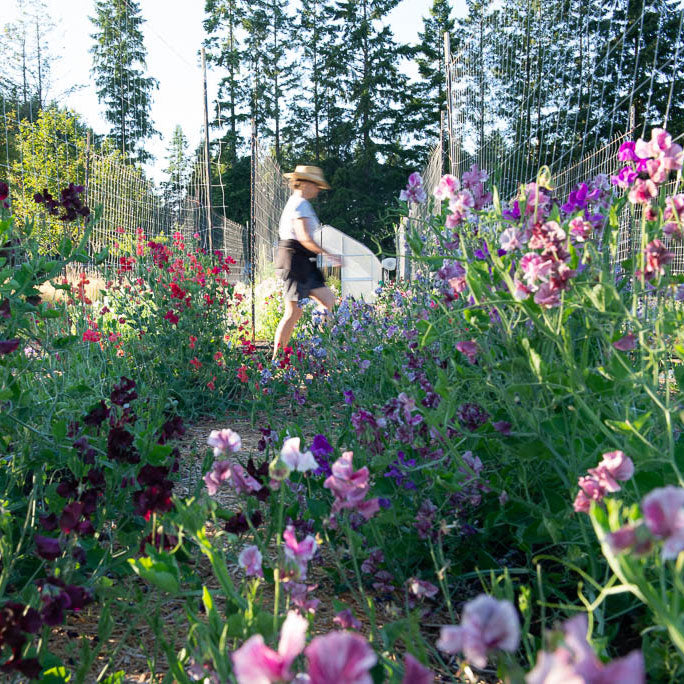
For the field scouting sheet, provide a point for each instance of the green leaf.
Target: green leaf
(59, 430)
(55, 675)
(159, 569)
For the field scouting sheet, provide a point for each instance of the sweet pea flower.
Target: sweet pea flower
(224, 440)
(340, 658)
(415, 672)
(346, 620)
(574, 661)
(487, 625)
(224, 470)
(421, 588)
(634, 537)
(469, 349)
(414, 191)
(511, 239)
(256, 663)
(249, 560)
(674, 215)
(625, 177)
(656, 256)
(350, 487)
(294, 459)
(643, 191)
(580, 229)
(447, 187)
(626, 343)
(663, 510)
(626, 151)
(300, 552)
(546, 296)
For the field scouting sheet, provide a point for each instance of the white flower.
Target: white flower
(294, 459)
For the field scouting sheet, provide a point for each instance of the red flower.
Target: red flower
(242, 374)
(211, 384)
(193, 339)
(196, 363)
(170, 316)
(91, 336)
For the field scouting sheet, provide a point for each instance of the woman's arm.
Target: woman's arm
(301, 230)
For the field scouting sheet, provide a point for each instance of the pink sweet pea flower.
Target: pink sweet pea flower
(643, 191)
(574, 662)
(294, 459)
(511, 239)
(447, 187)
(340, 658)
(243, 482)
(468, 349)
(350, 487)
(421, 588)
(250, 561)
(346, 620)
(414, 191)
(256, 663)
(546, 296)
(415, 672)
(300, 552)
(674, 215)
(580, 229)
(626, 343)
(663, 510)
(224, 440)
(487, 624)
(634, 537)
(219, 473)
(618, 465)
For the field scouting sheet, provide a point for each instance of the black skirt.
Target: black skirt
(296, 266)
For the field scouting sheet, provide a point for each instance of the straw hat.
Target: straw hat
(309, 173)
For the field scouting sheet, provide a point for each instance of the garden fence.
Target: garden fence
(503, 116)
(50, 148)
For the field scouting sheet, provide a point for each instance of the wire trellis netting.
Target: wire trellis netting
(529, 88)
(50, 148)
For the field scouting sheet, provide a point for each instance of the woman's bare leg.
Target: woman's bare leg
(292, 313)
(325, 298)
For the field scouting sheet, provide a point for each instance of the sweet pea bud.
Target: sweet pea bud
(278, 470)
(544, 178)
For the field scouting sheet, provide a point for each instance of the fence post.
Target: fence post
(449, 99)
(207, 161)
(252, 222)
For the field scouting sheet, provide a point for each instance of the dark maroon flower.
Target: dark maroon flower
(472, 415)
(8, 346)
(425, 519)
(260, 474)
(53, 609)
(70, 516)
(120, 446)
(87, 452)
(89, 499)
(68, 487)
(172, 428)
(124, 392)
(502, 426)
(5, 310)
(48, 522)
(79, 555)
(4, 191)
(238, 524)
(85, 528)
(96, 478)
(48, 547)
(152, 499)
(97, 415)
(79, 597)
(153, 475)
(29, 667)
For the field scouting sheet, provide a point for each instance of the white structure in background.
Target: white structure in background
(361, 269)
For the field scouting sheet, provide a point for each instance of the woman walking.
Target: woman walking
(295, 262)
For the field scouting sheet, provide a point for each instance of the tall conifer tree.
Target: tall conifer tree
(119, 61)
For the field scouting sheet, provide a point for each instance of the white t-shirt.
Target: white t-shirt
(296, 207)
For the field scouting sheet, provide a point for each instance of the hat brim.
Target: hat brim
(312, 179)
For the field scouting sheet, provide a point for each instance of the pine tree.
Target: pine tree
(222, 24)
(119, 57)
(429, 99)
(178, 172)
(375, 88)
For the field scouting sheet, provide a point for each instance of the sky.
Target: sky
(173, 36)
